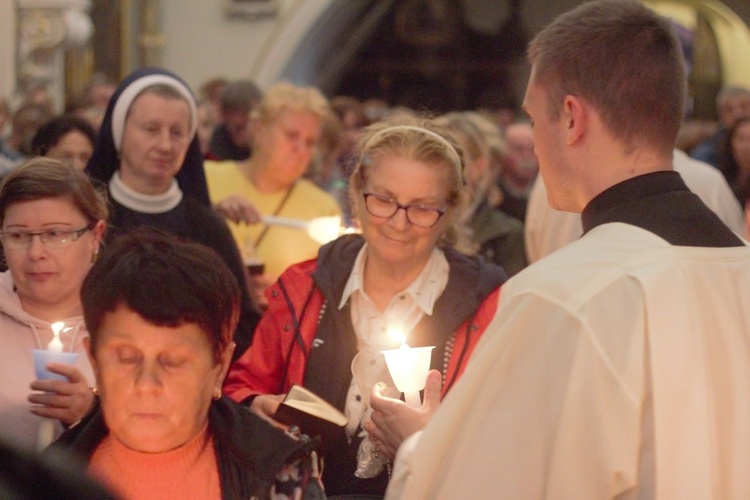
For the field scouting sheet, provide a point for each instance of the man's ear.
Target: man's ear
(576, 118)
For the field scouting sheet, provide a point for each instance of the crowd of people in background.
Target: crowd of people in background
(445, 208)
(225, 109)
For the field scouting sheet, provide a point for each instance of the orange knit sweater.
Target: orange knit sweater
(188, 472)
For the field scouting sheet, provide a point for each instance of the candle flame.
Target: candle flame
(397, 334)
(56, 344)
(324, 229)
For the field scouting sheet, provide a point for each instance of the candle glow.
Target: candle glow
(47, 427)
(56, 344)
(321, 229)
(408, 366)
(397, 334)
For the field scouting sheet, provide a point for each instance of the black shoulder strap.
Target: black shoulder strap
(275, 212)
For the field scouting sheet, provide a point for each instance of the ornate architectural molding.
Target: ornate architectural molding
(251, 10)
(45, 29)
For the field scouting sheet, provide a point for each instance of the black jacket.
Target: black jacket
(249, 451)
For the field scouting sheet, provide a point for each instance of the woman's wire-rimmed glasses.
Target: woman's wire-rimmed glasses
(53, 238)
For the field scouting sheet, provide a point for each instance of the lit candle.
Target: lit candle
(56, 345)
(408, 367)
(321, 229)
(324, 229)
(47, 426)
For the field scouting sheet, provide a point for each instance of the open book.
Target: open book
(312, 414)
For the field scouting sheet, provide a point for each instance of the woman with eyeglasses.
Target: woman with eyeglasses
(329, 318)
(52, 221)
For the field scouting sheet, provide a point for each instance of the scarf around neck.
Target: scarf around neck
(144, 203)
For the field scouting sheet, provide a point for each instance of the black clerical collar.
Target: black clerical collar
(612, 203)
(662, 204)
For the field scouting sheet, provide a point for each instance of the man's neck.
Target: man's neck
(618, 167)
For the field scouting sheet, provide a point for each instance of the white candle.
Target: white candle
(408, 367)
(324, 229)
(47, 426)
(321, 229)
(56, 345)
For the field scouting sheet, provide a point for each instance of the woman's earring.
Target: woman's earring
(217, 393)
(95, 255)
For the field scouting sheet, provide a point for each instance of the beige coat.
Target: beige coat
(619, 367)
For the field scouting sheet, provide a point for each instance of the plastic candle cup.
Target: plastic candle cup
(53, 354)
(408, 367)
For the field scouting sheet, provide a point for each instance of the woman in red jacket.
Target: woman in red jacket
(407, 192)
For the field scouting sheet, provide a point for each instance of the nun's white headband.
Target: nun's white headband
(120, 112)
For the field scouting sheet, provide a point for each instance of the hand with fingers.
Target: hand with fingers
(265, 405)
(393, 420)
(238, 209)
(65, 400)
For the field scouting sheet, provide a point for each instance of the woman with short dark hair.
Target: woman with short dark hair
(160, 345)
(67, 138)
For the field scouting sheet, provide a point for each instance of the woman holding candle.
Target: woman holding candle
(407, 190)
(285, 129)
(52, 223)
(162, 429)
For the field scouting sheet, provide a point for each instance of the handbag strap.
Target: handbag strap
(276, 212)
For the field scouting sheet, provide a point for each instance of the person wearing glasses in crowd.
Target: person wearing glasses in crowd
(329, 316)
(52, 221)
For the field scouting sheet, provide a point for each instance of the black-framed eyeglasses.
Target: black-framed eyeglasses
(418, 215)
(53, 238)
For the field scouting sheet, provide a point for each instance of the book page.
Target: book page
(308, 402)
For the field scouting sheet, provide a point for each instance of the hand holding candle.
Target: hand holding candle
(393, 421)
(53, 354)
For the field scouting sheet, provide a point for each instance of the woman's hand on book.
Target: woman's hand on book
(265, 405)
(393, 420)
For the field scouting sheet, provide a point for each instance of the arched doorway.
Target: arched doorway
(426, 54)
(433, 54)
(717, 46)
